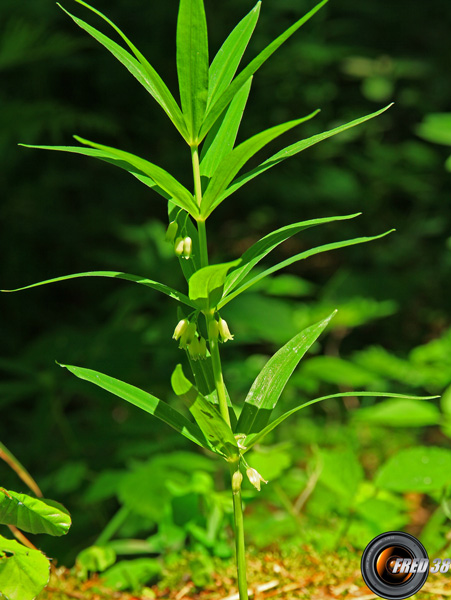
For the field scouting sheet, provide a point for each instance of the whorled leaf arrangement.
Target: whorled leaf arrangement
(212, 100)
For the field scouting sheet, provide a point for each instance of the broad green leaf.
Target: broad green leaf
(139, 67)
(106, 157)
(228, 58)
(95, 559)
(263, 247)
(179, 194)
(186, 226)
(222, 136)
(207, 416)
(142, 400)
(289, 261)
(21, 471)
(192, 64)
(295, 149)
(23, 572)
(160, 287)
(223, 101)
(255, 438)
(237, 158)
(206, 285)
(34, 515)
(132, 574)
(400, 413)
(205, 383)
(421, 469)
(272, 379)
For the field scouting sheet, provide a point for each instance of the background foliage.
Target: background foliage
(62, 214)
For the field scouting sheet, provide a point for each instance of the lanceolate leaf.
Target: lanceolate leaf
(295, 149)
(236, 159)
(207, 416)
(227, 60)
(270, 383)
(34, 515)
(289, 261)
(255, 438)
(263, 247)
(179, 194)
(24, 572)
(142, 400)
(160, 287)
(222, 136)
(106, 157)
(222, 102)
(206, 285)
(139, 67)
(192, 63)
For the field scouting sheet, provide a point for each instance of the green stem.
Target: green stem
(198, 196)
(202, 243)
(239, 541)
(112, 526)
(217, 372)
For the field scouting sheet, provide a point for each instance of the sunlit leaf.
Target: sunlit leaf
(237, 158)
(23, 572)
(222, 102)
(139, 67)
(160, 287)
(178, 193)
(255, 438)
(206, 285)
(295, 149)
(289, 261)
(222, 136)
(207, 416)
(263, 247)
(143, 400)
(272, 379)
(192, 63)
(228, 58)
(34, 515)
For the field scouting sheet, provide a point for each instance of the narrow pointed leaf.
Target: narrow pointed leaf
(139, 67)
(228, 58)
(263, 247)
(236, 159)
(147, 402)
(106, 157)
(303, 255)
(205, 383)
(192, 63)
(295, 149)
(255, 438)
(222, 136)
(206, 285)
(226, 97)
(207, 416)
(24, 572)
(160, 287)
(179, 194)
(272, 379)
(34, 515)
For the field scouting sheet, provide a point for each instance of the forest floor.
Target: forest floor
(289, 577)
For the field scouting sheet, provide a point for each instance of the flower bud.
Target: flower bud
(224, 331)
(188, 335)
(202, 348)
(171, 232)
(187, 247)
(180, 328)
(179, 246)
(194, 348)
(213, 330)
(255, 478)
(237, 478)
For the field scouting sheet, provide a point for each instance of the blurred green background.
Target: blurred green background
(336, 472)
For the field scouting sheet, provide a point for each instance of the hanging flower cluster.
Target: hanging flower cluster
(183, 246)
